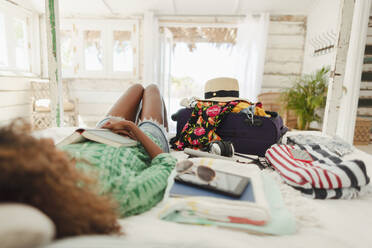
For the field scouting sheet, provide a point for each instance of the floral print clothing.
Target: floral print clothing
(200, 130)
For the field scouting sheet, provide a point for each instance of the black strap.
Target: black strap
(221, 93)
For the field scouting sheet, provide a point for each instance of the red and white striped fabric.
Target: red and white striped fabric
(327, 171)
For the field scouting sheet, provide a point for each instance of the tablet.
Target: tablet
(223, 182)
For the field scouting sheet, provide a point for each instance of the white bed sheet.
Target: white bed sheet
(321, 223)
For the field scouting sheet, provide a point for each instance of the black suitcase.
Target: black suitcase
(248, 136)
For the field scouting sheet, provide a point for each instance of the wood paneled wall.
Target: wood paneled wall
(96, 96)
(15, 98)
(285, 52)
(365, 95)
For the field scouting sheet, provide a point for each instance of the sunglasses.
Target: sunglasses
(203, 172)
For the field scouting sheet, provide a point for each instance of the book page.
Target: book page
(75, 137)
(103, 135)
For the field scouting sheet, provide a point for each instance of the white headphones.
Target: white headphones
(222, 148)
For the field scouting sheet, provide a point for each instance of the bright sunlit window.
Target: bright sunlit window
(193, 66)
(3, 50)
(67, 50)
(19, 52)
(93, 50)
(122, 51)
(21, 47)
(99, 48)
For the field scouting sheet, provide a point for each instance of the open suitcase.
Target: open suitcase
(249, 137)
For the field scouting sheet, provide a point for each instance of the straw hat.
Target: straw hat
(222, 90)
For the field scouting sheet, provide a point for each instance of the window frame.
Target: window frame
(106, 27)
(31, 19)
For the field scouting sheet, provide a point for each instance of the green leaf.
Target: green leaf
(307, 94)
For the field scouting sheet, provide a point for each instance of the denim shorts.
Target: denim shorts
(147, 126)
(157, 131)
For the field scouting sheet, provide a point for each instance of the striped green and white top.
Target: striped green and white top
(127, 173)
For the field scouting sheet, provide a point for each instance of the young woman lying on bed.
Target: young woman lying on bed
(34, 172)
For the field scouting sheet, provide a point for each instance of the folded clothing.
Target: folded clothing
(327, 176)
(335, 144)
(257, 108)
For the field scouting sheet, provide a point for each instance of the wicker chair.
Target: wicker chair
(271, 102)
(41, 113)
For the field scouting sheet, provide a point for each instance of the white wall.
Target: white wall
(15, 98)
(323, 17)
(285, 52)
(96, 96)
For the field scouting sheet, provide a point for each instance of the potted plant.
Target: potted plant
(308, 94)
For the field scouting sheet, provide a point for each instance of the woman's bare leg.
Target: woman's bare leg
(127, 105)
(153, 106)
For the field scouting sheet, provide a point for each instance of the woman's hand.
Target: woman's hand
(126, 128)
(130, 129)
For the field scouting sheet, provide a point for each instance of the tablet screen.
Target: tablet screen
(181, 189)
(223, 182)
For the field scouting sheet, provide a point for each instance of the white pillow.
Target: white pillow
(106, 241)
(24, 226)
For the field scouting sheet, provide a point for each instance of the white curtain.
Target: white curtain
(157, 54)
(150, 48)
(164, 61)
(250, 51)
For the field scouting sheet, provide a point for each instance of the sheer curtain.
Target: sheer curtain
(150, 48)
(250, 50)
(157, 51)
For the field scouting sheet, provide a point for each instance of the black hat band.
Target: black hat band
(221, 93)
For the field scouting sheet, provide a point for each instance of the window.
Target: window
(197, 54)
(21, 48)
(93, 51)
(188, 78)
(123, 51)
(67, 50)
(19, 38)
(3, 50)
(93, 48)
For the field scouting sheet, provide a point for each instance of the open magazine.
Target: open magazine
(259, 210)
(195, 201)
(100, 135)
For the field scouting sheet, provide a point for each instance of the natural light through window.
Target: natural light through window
(122, 51)
(93, 50)
(193, 65)
(203, 62)
(67, 51)
(3, 50)
(21, 43)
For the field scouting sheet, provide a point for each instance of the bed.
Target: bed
(320, 223)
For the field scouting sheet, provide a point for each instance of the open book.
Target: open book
(100, 135)
(236, 215)
(194, 203)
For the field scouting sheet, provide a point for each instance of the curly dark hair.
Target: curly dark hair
(34, 172)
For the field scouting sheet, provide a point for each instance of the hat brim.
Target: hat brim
(223, 99)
